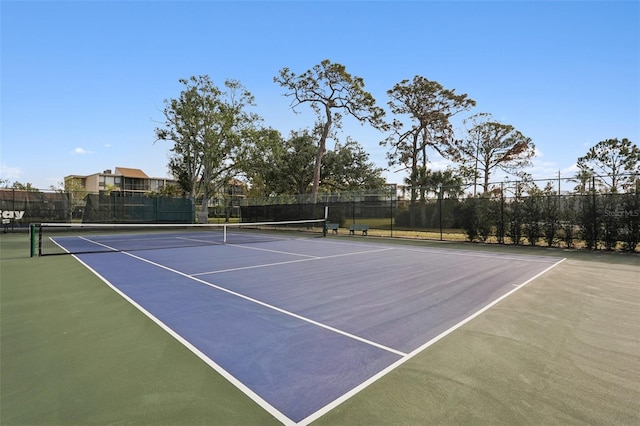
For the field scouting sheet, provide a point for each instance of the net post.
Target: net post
(224, 234)
(32, 239)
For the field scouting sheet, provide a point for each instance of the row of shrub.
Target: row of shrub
(609, 221)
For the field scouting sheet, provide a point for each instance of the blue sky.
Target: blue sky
(83, 82)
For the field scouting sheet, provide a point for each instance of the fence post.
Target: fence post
(440, 207)
(595, 219)
(391, 218)
(353, 210)
(114, 214)
(13, 202)
(501, 231)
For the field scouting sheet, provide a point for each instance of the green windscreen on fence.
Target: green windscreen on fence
(277, 212)
(114, 208)
(21, 207)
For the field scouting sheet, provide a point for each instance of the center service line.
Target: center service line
(264, 265)
(415, 352)
(275, 308)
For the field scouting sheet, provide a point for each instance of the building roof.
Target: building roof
(131, 173)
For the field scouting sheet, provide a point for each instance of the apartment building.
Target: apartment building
(123, 179)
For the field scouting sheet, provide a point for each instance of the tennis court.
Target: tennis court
(300, 323)
(304, 326)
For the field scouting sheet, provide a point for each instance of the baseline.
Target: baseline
(355, 306)
(274, 356)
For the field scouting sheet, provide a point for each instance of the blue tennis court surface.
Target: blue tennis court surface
(300, 325)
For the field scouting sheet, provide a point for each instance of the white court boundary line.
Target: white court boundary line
(271, 250)
(250, 393)
(285, 262)
(267, 305)
(324, 410)
(457, 252)
(224, 373)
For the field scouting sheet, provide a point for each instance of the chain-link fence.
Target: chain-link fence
(592, 212)
(136, 208)
(19, 208)
(568, 213)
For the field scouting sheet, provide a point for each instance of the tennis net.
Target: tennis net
(76, 238)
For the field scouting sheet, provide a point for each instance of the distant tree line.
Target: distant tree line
(215, 137)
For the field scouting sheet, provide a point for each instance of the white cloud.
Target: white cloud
(571, 170)
(441, 165)
(80, 151)
(10, 173)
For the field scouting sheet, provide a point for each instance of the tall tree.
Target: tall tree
(425, 108)
(281, 166)
(205, 125)
(347, 167)
(615, 163)
(22, 186)
(296, 166)
(331, 92)
(583, 180)
(264, 154)
(491, 145)
(447, 183)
